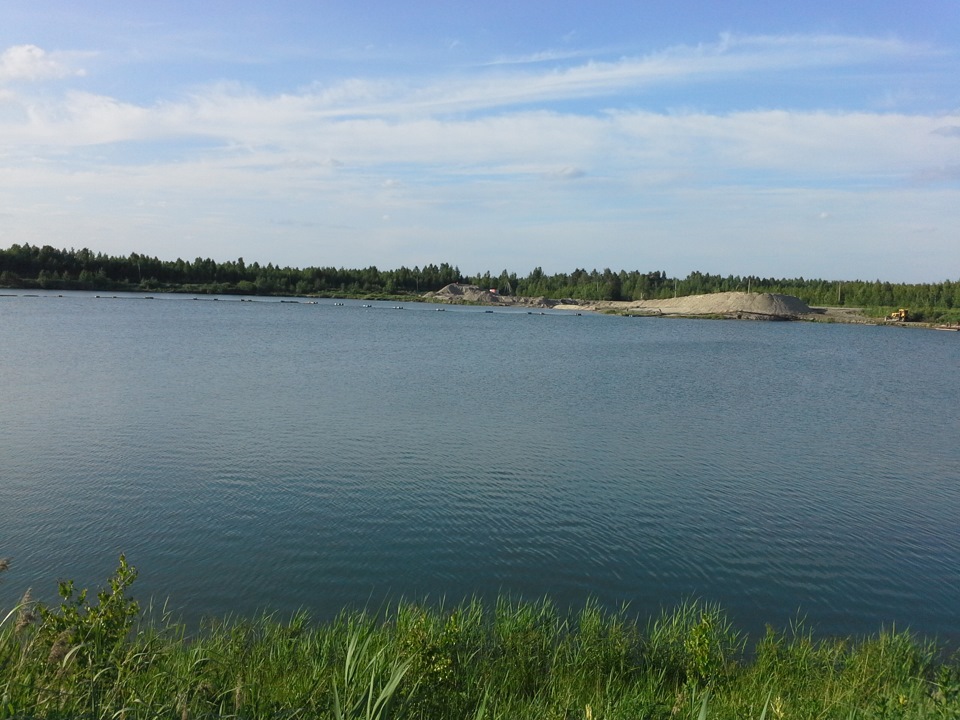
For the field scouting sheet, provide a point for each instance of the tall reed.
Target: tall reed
(103, 658)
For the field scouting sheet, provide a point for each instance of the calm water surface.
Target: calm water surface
(270, 455)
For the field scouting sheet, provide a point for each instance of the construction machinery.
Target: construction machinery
(900, 315)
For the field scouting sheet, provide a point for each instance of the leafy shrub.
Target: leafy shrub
(89, 638)
(694, 644)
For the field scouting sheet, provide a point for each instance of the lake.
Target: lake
(272, 455)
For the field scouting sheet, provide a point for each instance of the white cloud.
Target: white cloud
(31, 63)
(286, 133)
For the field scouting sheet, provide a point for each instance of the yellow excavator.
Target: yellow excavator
(900, 315)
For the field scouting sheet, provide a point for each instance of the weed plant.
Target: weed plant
(106, 659)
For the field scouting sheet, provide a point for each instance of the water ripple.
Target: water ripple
(259, 455)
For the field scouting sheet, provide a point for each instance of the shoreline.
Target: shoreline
(717, 306)
(725, 305)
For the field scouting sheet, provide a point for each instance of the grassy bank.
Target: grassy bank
(102, 657)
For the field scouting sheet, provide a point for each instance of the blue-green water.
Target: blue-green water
(270, 455)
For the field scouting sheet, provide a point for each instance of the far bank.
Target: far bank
(726, 305)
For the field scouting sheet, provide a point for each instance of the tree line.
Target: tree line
(26, 266)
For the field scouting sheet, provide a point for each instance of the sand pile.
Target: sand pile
(458, 292)
(462, 293)
(729, 304)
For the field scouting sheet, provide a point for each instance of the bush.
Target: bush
(88, 639)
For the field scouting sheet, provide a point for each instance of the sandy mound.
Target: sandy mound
(457, 292)
(462, 293)
(729, 304)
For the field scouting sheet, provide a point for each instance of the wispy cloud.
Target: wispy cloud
(948, 131)
(816, 49)
(567, 172)
(508, 85)
(505, 83)
(543, 56)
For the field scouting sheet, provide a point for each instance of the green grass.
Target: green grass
(104, 658)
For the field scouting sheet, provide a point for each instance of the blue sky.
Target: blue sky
(815, 139)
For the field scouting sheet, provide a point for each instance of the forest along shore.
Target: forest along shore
(736, 305)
